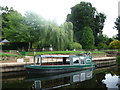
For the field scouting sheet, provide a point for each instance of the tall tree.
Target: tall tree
(15, 30)
(87, 40)
(117, 26)
(22, 29)
(84, 14)
(59, 36)
(35, 26)
(3, 20)
(35, 30)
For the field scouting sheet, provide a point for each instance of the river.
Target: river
(105, 78)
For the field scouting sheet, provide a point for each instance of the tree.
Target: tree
(59, 36)
(103, 41)
(3, 20)
(22, 29)
(35, 24)
(102, 45)
(84, 14)
(87, 40)
(15, 30)
(117, 26)
(36, 31)
(115, 44)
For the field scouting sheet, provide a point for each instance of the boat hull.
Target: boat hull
(56, 69)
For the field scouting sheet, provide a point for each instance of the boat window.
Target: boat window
(76, 61)
(88, 60)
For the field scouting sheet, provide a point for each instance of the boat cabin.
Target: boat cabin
(80, 60)
(66, 60)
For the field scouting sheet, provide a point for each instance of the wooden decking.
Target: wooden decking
(104, 61)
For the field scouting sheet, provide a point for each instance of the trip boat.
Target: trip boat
(74, 63)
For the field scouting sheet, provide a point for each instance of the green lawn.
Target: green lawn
(7, 54)
(63, 52)
(53, 52)
(112, 50)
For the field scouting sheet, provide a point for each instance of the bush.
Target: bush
(102, 46)
(115, 44)
(15, 46)
(118, 60)
(75, 45)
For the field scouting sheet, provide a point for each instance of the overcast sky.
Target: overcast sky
(58, 9)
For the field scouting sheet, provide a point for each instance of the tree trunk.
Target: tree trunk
(30, 45)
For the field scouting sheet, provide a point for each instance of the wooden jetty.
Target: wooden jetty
(104, 61)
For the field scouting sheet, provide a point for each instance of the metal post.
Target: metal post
(34, 59)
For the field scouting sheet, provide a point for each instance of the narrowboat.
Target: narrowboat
(75, 63)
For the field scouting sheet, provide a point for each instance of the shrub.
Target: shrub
(102, 46)
(118, 60)
(75, 45)
(115, 44)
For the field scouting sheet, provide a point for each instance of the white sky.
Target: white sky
(111, 81)
(58, 9)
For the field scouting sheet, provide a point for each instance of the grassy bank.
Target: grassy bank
(63, 52)
(52, 52)
(9, 55)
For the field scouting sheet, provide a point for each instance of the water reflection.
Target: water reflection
(111, 81)
(57, 81)
(98, 78)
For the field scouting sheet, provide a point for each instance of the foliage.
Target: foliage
(16, 30)
(103, 40)
(115, 44)
(117, 26)
(87, 40)
(75, 45)
(57, 36)
(35, 30)
(63, 36)
(4, 12)
(102, 46)
(84, 14)
(35, 27)
(15, 46)
(118, 60)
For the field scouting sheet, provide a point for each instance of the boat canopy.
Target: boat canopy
(38, 58)
(61, 56)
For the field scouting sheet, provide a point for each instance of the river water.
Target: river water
(104, 78)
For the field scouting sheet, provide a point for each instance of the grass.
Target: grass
(62, 52)
(53, 52)
(7, 54)
(112, 50)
